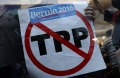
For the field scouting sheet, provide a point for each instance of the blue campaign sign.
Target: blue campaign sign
(45, 13)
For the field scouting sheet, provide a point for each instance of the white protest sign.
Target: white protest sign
(58, 41)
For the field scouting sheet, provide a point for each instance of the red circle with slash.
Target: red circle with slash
(87, 56)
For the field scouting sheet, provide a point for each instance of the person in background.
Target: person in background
(11, 51)
(110, 56)
(111, 11)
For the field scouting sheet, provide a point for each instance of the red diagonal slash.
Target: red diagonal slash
(60, 39)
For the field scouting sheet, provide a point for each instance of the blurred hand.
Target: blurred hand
(89, 12)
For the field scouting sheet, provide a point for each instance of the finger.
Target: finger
(90, 13)
(90, 17)
(90, 7)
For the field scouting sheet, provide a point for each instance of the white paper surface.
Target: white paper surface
(66, 59)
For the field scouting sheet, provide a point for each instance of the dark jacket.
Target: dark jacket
(11, 51)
